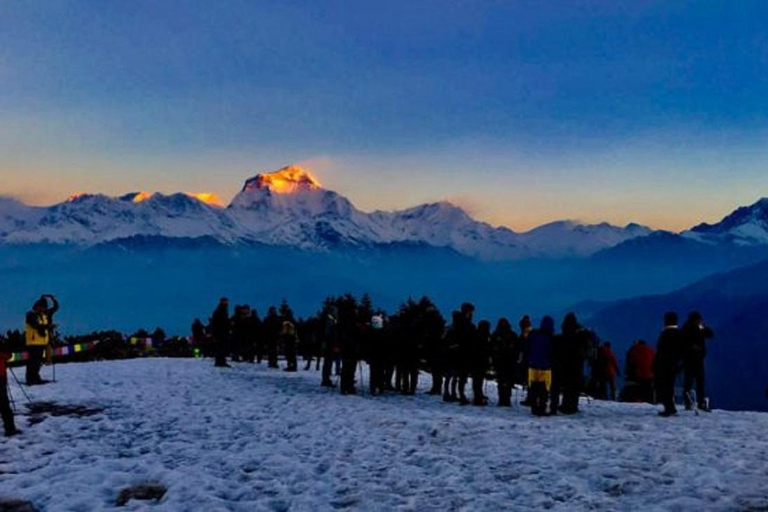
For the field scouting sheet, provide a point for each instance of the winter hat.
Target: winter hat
(40, 303)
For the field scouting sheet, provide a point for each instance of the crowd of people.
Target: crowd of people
(555, 368)
(549, 365)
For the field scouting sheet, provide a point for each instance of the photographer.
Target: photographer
(39, 325)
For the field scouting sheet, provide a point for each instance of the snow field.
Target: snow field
(250, 438)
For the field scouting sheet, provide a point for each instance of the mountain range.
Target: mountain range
(289, 208)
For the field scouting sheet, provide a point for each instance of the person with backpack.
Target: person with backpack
(540, 350)
(669, 350)
(38, 328)
(695, 335)
(505, 352)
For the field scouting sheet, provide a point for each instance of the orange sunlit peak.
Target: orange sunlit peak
(288, 180)
(208, 198)
(142, 196)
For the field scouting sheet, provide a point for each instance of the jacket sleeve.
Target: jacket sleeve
(52, 310)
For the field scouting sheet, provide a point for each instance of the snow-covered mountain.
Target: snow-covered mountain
(289, 207)
(574, 239)
(747, 225)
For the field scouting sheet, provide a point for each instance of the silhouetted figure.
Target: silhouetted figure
(467, 337)
(289, 341)
(221, 329)
(37, 331)
(376, 348)
(573, 351)
(451, 356)
(330, 344)
(695, 335)
(271, 329)
(608, 369)
(526, 326)
(540, 350)
(638, 385)
(5, 407)
(479, 362)
(505, 352)
(349, 343)
(668, 354)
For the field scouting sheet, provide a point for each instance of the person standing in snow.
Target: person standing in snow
(349, 344)
(375, 348)
(330, 344)
(271, 330)
(668, 354)
(5, 407)
(608, 368)
(695, 335)
(38, 328)
(466, 334)
(638, 386)
(290, 342)
(221, 329)
(504, 350)
(540, 350)
(451, 359)
(479, 362)
(526, 326)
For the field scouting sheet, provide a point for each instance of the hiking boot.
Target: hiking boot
(11, 433)
(463, 401)
(328, 384)
(667, 414)
(704, 408)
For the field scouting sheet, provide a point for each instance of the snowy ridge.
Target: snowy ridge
(289, 207)
(747, 225)
(248, 438)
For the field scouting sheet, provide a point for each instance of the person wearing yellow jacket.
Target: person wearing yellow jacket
(38, 335)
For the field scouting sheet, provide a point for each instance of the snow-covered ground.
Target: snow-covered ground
(249, 438)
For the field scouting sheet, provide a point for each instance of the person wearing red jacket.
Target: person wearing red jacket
(638, 386)
(5, 406)
(609, 369)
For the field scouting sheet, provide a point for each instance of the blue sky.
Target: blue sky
(523, 112)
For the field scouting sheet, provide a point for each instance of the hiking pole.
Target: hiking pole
(19, 384)
(13, 402)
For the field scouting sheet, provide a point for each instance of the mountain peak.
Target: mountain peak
(137, 197)
(208, 198)
(284, 181)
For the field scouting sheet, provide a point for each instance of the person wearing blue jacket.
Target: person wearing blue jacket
(540, 350)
